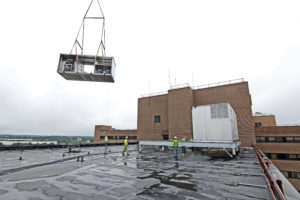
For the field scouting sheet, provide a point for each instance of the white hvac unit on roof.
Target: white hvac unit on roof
(214, 123)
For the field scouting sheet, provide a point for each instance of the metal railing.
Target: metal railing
(154, 94)
(184, 85)
(241, 80)
(275, 186)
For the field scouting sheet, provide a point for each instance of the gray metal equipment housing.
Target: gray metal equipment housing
(73, 67)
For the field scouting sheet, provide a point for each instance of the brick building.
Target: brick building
(163, 116)
(281, 144)
(115, 136)
(264, 120)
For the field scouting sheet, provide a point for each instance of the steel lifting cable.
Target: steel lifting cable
(102, 35)
(101, 42)
(76, 41)
(82, 38)
(82, 27)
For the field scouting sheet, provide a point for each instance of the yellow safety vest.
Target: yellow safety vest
(106, 139)
(125, 142)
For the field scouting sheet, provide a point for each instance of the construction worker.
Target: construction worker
(183, 147)
(175, 145)
(125, 147)
(106, 142)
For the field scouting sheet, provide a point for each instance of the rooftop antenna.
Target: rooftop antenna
(149, 90)
(169, 78)
(192, 77)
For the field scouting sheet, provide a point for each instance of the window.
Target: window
(283, 156)
(102, 137)
(132, 137)
(286, 174)
(289, 139)
(262, 139)
(257, 139)
(292, 156)
(122, 137)
(271, 139)
(278, 139)
(297, 139)
(257, 124)
(110, 137)
(273, 156)
(295, 175)
(157, 119)
(165, 137)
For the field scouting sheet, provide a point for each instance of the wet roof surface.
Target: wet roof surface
(148, 175)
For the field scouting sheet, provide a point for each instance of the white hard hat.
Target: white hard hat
(126, 137)
(175, 137)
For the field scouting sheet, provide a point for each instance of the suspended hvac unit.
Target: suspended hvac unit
(81, 67)
(87, 68)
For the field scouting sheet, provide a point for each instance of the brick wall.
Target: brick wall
(147, 109)
(278, 131)
(101, 130)
(180, 102)
(239, 98)
(268, 120)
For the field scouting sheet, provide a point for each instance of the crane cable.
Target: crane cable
(102, 44)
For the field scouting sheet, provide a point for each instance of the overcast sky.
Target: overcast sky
(193, 41)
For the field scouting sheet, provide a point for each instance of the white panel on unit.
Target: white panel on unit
(215, 122)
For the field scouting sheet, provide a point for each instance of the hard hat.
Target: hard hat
(175, 137)
(126, 137)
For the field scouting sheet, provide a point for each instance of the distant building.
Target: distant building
(25, 141)
(114, 136)
(281, 144)
(264, 119)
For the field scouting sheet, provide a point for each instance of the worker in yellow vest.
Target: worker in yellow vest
(175, 145)
(106, 143)
(125, 147)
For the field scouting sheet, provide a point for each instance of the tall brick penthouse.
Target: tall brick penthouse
(165, 115)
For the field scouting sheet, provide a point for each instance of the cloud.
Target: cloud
(61, 110)
(278, 91)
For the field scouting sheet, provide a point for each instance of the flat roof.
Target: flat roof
(45, 174)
